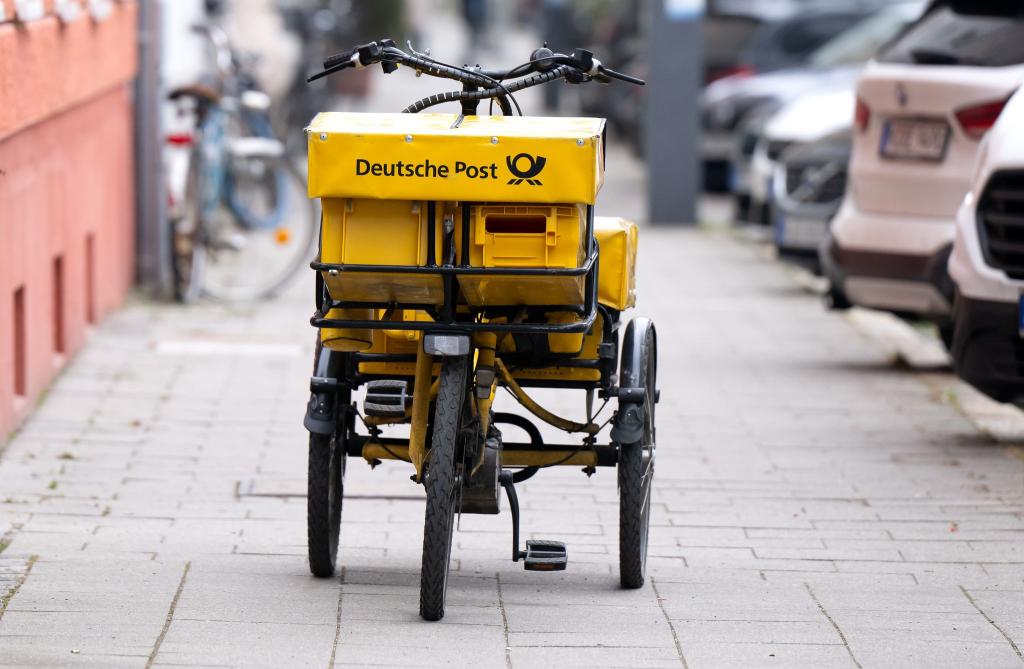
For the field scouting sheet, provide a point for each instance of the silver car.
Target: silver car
(808, 187)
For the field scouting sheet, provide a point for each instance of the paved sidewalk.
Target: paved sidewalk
(813, 506)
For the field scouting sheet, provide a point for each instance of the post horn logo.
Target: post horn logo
(535, 166)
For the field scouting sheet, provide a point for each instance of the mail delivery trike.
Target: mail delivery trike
(459, 256)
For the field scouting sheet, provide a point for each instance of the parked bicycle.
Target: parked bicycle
(240, 224)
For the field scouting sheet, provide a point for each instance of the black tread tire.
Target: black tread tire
(836, 299)
(325, 493)
(441, 483)
(635, 474)
(946, 332)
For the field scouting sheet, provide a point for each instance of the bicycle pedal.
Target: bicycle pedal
(387, 398)
(542, 555)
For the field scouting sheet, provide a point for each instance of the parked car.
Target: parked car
(922, 107)
(730, 27)
(987, 265)
(807, 189)
(789, 41)
(807, 119)
(735, 104)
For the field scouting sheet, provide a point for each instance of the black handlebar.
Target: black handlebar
(478, 84)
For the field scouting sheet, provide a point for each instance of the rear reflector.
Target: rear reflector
(861, 115)
(979, 119)
(180, 139)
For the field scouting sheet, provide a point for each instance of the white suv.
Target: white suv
(987, 264)
(921, 110)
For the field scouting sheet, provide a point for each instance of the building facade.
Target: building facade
(67, 221)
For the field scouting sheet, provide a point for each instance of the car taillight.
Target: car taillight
(180, 139)
(739, 72)
(861, 115)
(979, 119)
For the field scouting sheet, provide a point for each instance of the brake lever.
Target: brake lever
(329, 71)
(612, 74)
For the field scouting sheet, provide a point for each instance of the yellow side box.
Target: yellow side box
(618, 240)
(438, 157)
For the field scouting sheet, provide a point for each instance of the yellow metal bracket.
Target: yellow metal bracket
(420, 409)
(486, 378)
(536, 409)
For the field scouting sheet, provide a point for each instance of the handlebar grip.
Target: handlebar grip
(337, 59)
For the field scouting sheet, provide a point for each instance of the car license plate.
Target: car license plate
(907, 139)
(798, 233)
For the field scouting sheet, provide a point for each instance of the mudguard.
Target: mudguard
(628, 423)
(325, 385)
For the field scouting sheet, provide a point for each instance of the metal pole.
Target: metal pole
(672, 129)
(152, 243)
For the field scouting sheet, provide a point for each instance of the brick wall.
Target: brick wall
(66, 190)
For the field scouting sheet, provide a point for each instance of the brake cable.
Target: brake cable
(455, 96)
(423, 63)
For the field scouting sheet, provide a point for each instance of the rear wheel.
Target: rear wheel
(636, 474)
(188, 254)
(246, 262)
(442, 480)
(325, 491)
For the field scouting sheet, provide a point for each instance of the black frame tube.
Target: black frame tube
(431, 232)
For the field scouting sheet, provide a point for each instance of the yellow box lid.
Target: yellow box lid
(482, 159)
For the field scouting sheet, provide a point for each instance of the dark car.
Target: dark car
(752, 36)
(777, 44)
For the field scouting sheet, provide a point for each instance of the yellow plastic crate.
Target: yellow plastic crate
(526, 236)
(378, 232)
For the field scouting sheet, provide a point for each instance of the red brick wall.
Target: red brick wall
(66, 192)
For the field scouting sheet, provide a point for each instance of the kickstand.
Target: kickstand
(505, 478)
(540, 555)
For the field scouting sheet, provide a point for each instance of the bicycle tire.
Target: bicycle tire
(299, 261)
(442, 483)
(635, 477)
(324, 500)
(188, 253)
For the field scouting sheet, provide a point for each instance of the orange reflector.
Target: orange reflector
(282, 236)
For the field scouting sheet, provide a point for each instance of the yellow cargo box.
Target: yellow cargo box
(435, 157)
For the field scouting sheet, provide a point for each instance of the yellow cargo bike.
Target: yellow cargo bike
(460, 255)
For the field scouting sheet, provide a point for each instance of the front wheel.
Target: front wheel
(442, 481)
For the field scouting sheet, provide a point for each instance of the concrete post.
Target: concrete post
(672, 129)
